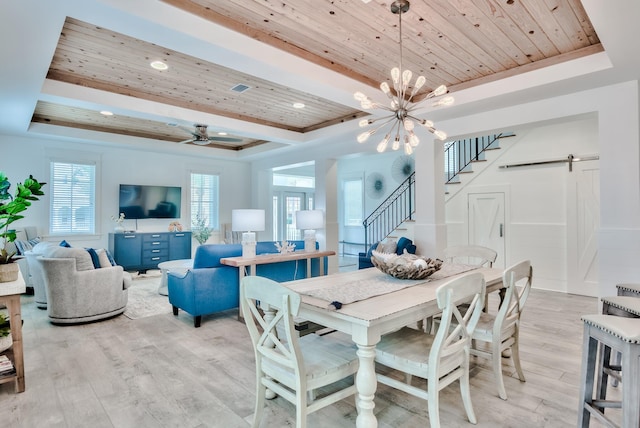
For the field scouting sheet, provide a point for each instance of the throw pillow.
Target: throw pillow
(372, 248)
(104, 259)
(110, 257)
(24, 246)
(387, 247)
(404, 244)
(94, 258)
(65, 244)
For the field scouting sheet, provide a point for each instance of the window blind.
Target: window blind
(72, 208)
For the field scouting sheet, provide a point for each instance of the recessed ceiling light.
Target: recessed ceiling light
(222, 133)
(106, 113)
(172, 124)
(159, 65)
(298, 105)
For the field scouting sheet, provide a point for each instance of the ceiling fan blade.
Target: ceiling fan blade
(186, 141)
(226, 139)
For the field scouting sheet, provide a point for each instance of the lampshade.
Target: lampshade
(309, 219)
(247, 220)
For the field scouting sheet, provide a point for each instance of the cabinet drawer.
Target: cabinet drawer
(154, 252)
(152, 260)
(151, 245)
(155, 237)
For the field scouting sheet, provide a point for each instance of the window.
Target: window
(205, 199)
(73, 197)
(352, 197)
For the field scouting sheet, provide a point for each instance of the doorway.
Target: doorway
(487, 222)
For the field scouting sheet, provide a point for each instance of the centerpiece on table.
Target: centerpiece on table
(10, 208)
(118, 221)
(405, 266)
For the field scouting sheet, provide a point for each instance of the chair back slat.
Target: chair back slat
(517, 279)
(453, 337)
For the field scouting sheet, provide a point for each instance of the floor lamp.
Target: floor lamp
(247, 221)
(309, 221)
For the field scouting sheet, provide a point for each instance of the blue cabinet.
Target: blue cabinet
(142, 251)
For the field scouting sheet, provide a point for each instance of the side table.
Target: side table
(10, 296)
(171, 265)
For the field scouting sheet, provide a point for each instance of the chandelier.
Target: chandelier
(401, 120)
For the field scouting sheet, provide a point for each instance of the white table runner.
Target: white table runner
(335, 296)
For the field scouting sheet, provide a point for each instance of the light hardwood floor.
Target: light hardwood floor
(160, 371)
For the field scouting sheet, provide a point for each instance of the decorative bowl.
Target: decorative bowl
(406, 266)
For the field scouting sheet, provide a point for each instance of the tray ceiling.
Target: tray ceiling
(458, 43)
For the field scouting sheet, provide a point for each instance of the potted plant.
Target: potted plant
(201, 232)
(11, 207)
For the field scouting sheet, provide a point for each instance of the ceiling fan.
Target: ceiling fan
(201, 137)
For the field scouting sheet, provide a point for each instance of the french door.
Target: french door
(284, 214)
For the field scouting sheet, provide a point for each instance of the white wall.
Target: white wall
(537, 195)
(617, 110)
(364, 166)
(118, 165)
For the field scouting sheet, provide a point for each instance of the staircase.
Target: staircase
(460, 155)
(399, 208)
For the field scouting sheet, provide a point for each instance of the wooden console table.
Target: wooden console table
(261, 259)
(10, 296)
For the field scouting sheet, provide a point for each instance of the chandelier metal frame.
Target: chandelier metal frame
(401, 106)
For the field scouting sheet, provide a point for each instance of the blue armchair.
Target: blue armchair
(364, 259)
(211, 287)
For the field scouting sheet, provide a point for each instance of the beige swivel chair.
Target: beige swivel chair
(497, 333)
(440, 359)
(289, 365)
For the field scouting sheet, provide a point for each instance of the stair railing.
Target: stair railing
(460, 153)
(391, 213)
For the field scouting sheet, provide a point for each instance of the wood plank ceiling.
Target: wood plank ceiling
(460, 43)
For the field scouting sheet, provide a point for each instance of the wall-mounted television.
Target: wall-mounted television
(141, 201)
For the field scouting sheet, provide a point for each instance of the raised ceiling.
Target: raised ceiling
(459, 43)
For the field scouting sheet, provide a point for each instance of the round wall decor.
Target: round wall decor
(375, 186)
(402, 168)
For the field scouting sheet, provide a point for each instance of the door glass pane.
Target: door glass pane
(292, 203)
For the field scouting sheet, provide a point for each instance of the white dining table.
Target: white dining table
(367, 320)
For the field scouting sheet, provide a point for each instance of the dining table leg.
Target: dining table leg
(366, 384)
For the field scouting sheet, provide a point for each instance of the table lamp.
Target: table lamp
(309, 221)
(247, 221)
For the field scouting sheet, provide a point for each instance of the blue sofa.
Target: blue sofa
(364, 259)
(211, 287)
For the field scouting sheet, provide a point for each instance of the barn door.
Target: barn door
(583, 223)
(487, 223)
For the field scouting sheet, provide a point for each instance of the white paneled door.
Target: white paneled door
(487, 222)
(583, 224)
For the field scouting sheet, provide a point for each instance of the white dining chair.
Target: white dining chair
(471, 254)
(286, 364)
(499, 332)
(440, 359)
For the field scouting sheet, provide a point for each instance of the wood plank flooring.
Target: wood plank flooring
(160, 371)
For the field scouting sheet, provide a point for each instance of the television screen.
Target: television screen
(138, 201)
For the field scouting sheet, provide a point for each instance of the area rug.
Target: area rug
(144, 299)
